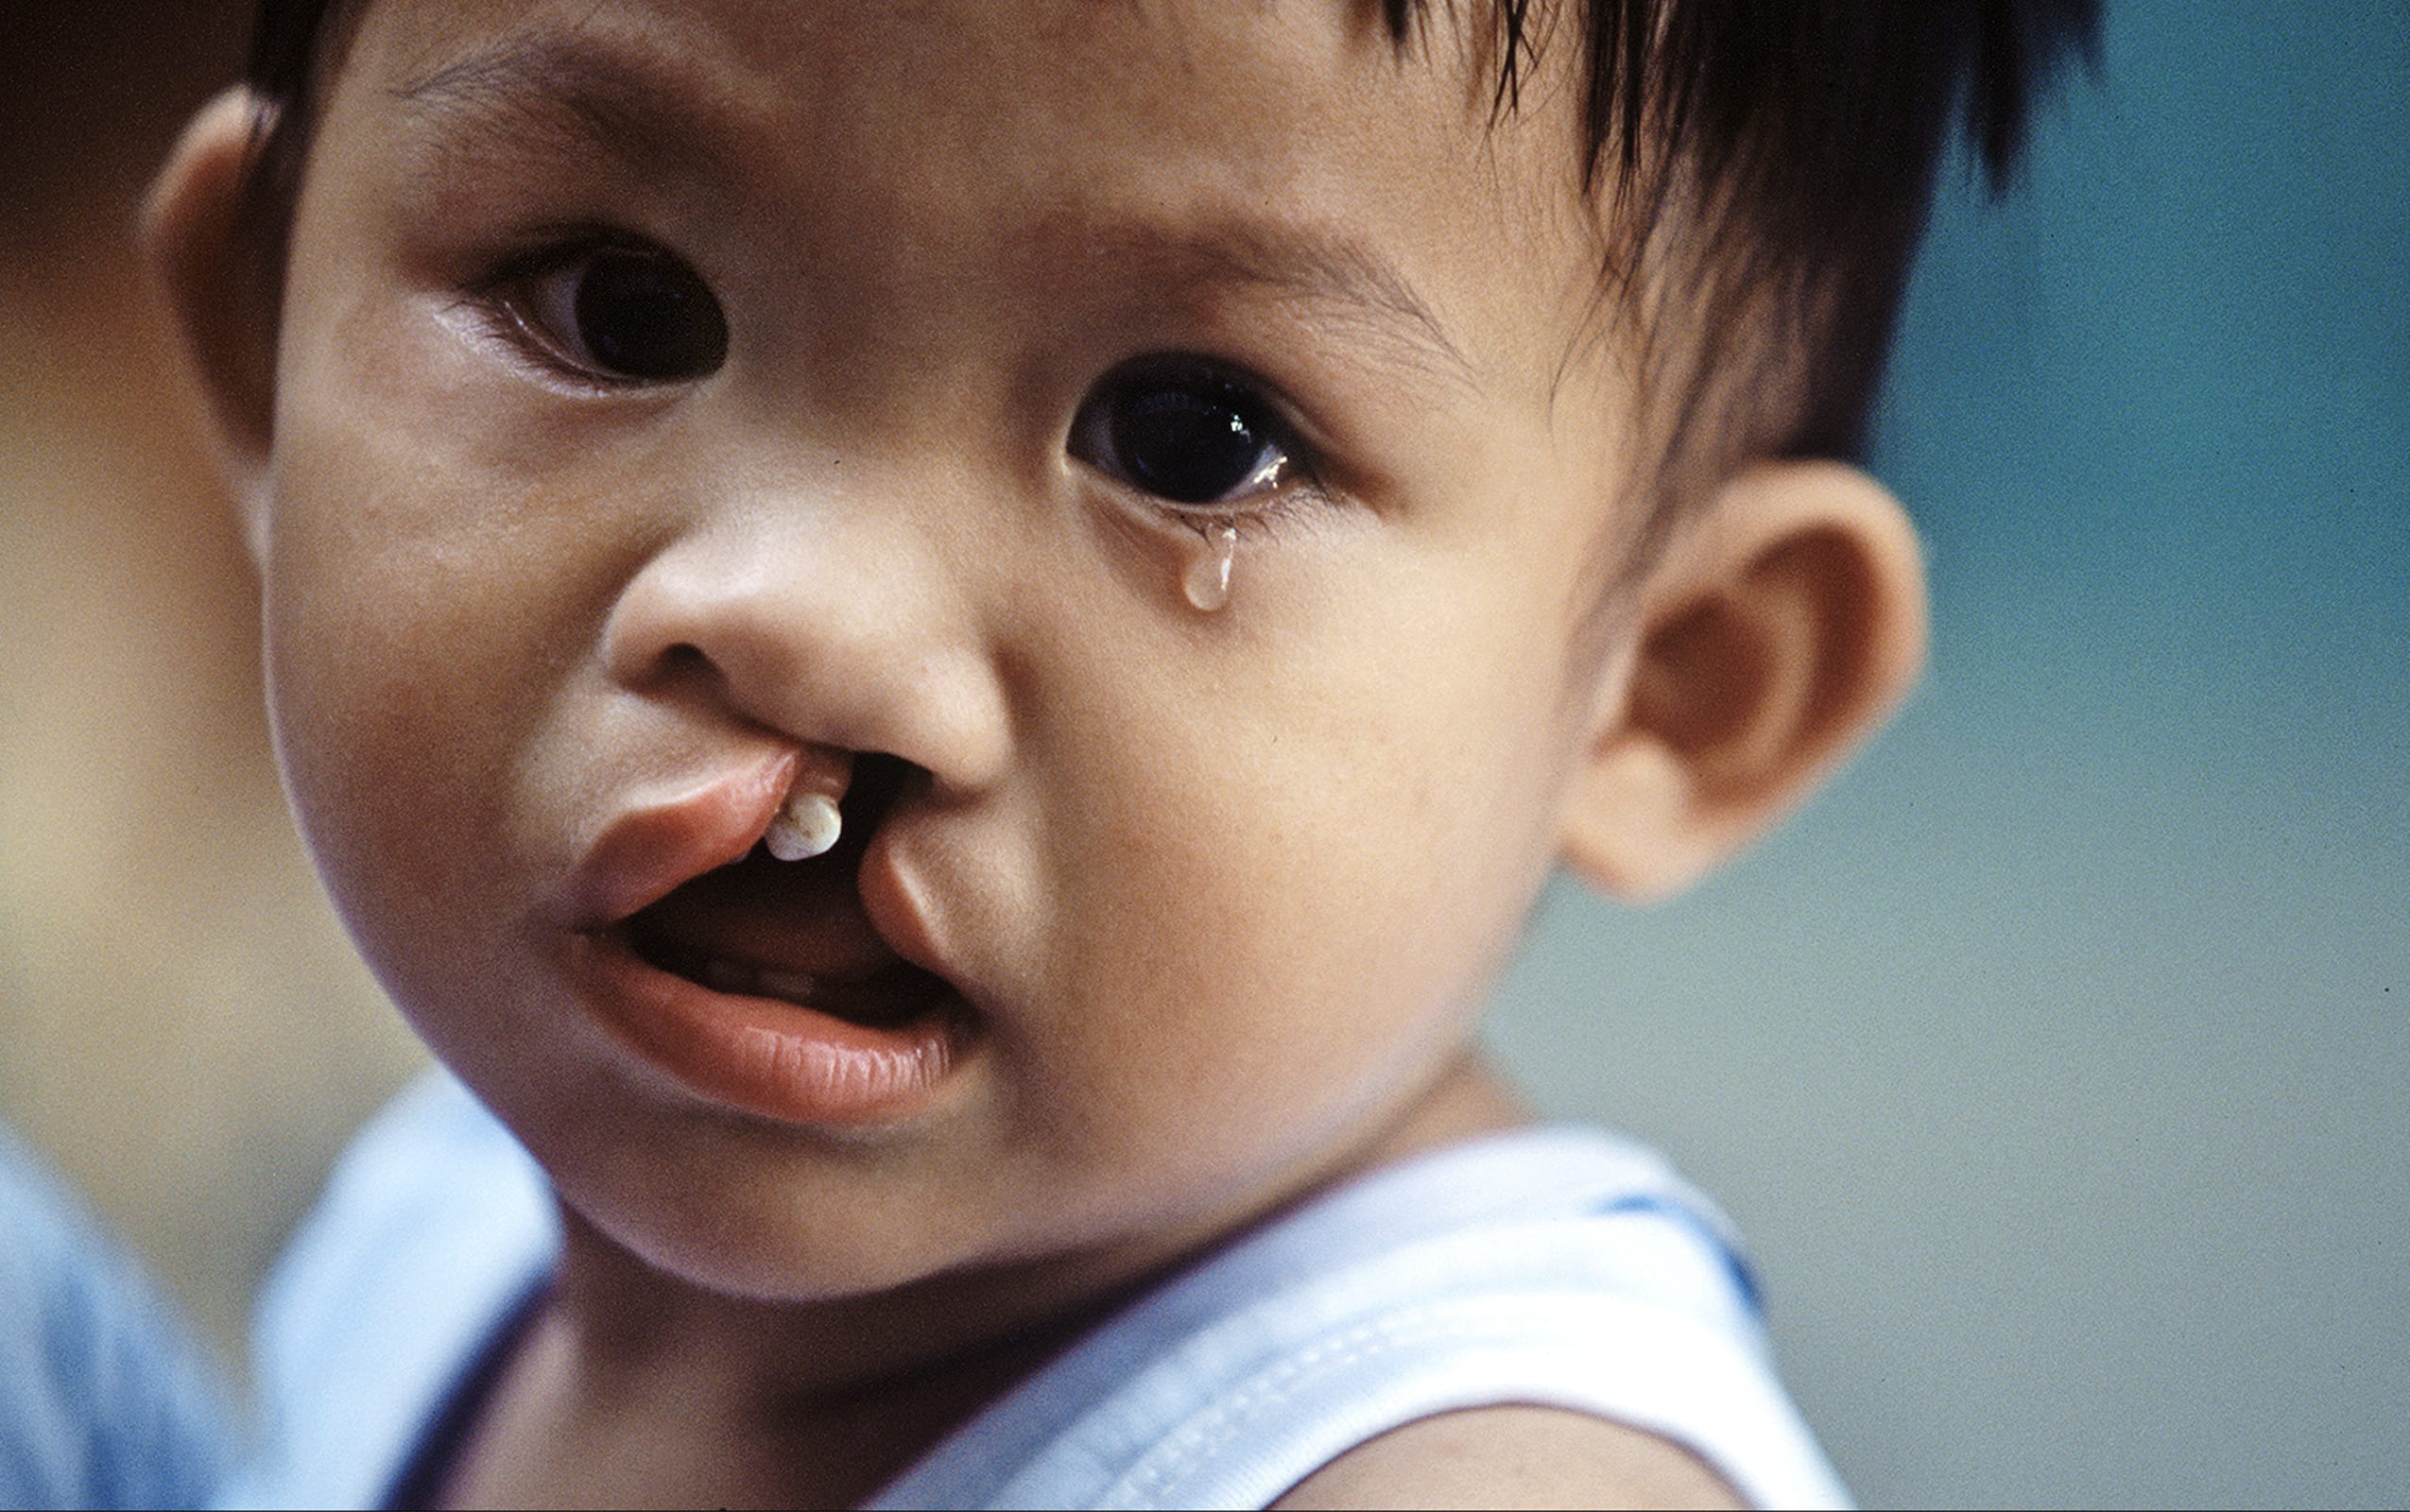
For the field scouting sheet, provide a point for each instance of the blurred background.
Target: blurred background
(183, 1026)
(2056, 1061)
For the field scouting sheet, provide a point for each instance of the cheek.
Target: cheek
(1278, 886)
(435, 575)
(384, 701)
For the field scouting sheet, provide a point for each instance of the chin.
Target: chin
(780, 1230)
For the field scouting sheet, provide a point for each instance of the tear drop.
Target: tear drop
(1206, 576)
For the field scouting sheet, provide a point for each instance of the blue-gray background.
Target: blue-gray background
(2057, 1060)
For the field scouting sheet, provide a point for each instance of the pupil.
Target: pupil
(1188, 447)
(648, 316)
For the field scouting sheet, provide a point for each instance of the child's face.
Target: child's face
(1198, 906)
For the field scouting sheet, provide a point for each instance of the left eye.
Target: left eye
(1185, 434)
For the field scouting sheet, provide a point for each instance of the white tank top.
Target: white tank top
(1553, 1266)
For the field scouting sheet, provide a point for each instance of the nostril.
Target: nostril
(680, 668)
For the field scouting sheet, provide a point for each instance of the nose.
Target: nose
(835, 622)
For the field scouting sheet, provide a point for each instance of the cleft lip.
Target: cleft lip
(663, 839)
(761, 985)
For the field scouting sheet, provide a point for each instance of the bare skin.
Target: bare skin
(1149, 919)
(1512, 1456)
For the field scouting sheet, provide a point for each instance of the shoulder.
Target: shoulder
(1513, 1456)
(434, 1228)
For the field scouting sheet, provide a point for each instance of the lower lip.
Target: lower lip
(764, 1056)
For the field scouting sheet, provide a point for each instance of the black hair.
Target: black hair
(1763, 168)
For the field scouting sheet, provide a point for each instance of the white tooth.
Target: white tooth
(722, 976)
(807, 826)
(793, 985)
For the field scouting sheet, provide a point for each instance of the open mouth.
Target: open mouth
(793, 931)
(786, 999)
(890, 997)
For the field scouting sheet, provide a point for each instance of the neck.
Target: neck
(635, 1385)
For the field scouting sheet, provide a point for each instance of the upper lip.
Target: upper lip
(668, 836)
(663, 839)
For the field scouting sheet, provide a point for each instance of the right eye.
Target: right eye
(1185, 433)
(629, 314)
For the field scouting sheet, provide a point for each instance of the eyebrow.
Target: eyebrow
(568, 91)
(563, 91)
(1331, 269)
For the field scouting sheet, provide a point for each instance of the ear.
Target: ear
(216, 266)
(1777, 632)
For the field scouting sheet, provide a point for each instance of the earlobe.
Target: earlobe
(1777, 634)
(204, 244)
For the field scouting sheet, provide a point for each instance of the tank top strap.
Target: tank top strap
(1553, 1267)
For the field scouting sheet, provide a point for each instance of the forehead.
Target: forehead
(1291, 141)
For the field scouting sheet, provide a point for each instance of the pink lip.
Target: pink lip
(774, 1058)
(766, 1055)
(652, 848)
